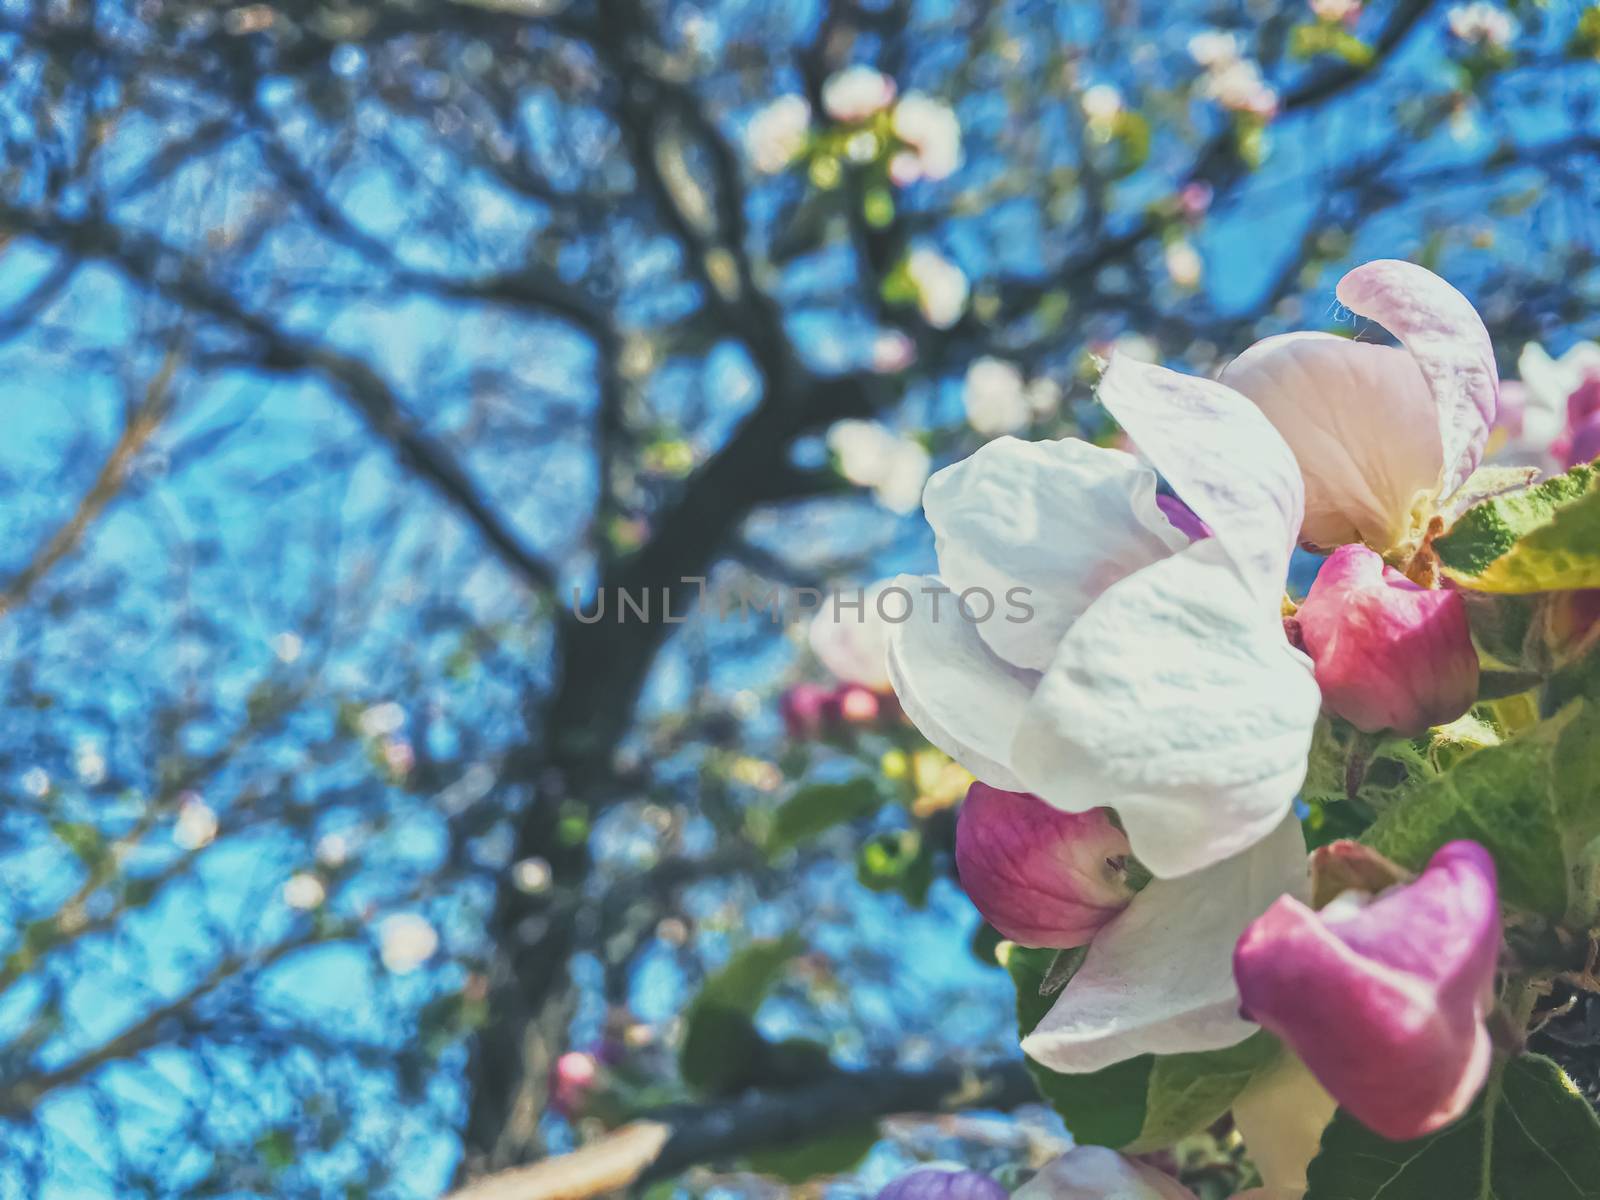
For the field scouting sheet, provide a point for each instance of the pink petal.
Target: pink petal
(1446, 337)
(1388, 653)
(1363, 427)
(1041, 876)
(1222, 457)
(1385, 1003)
(1098, 1173)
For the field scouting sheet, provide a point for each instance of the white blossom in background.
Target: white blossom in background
(1213, 47)
(1102, 104)
(942, 287)
(1184, 267)
(1044, 397)
(851, 642)
(36, 781)
(931, 129)
(196, 826)
(1335, 10)
(873, 456)
(380, 720)
(777, 133)
(333, 850)
(856, 93)
(1231, 79)
(304, 891)
(405, 942)
(1481, 24)
(89, 763)
(287, 647)
(532, 876)
(399, 755)
(995, 397)
(892, 351)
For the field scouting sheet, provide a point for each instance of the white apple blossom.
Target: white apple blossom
(996, 397)
(892, 351)
(942, 287)
(931, 129)
(871, 455)
(1101, 103)
(1534, 413)
(405, 942)
(1481, 24)
(777, 133)
(1384, 435)
(36, 782)
(1238, 87)
(1154, 674)
(196, 826)
(380, 720)
(304, 891)
(856, 93)
(1184, 265)
(89, 763)
(1213, 47)
(1335, 10)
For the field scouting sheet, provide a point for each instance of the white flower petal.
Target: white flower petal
(1175, 700)
(1446, 337)
(851, 639)
(1224, 459)
(1159, 978)
(1063, 520)
(964, 698)
(1363, 426)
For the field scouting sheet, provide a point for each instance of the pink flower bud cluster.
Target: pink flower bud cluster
(815, 710)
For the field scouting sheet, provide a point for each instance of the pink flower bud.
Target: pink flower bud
(572, 1078)
(804, 708)
(1384, 997)
(855, 704)
(1099, 1173)
(1389, 654)
(1583, 442)
(1041, 876)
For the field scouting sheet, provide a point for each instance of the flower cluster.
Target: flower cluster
(914, 136)
(1140, 742)
(1229, 78)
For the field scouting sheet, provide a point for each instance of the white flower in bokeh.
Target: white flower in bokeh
(996, 397)
(399, 756)
(196, 826)
(871, 455)
(856, 93)
(892, 351)
(380, 720)
(851, 640)
(1335, 10)
(1101, 103)
(1481, 24)
(287, 647)
(532, 876)
(1213, 47)
(942, 287)
(333, 850)
(1044, 396)
(36, 781)
(1238, 87)
(405, 942)
(932, 131)
(777, 133)
(304, 891)
(1184, 266)
(89, 763)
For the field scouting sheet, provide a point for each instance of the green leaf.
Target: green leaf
(721, 1045)
(897, 862)
(832, 1155)
(1187, 1092)
(1103, 1108)
(814, 809)
(1530, 801)
(1542, 539)
(1543, 1143)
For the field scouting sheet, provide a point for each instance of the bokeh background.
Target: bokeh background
(342, 344)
